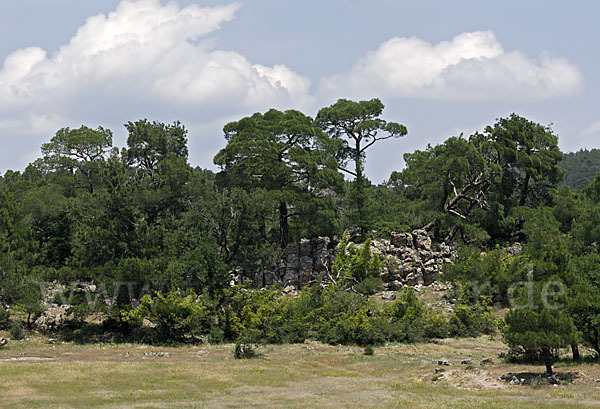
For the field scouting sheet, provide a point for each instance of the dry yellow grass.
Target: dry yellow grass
(286, 376)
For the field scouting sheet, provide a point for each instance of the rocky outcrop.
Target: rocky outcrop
(300, 264)
(411, 259)
(58, 298)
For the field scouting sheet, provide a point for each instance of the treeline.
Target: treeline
(580, 168)
(88, 212)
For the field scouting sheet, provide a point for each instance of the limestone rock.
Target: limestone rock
(422, 239)
(402, 240)
(53, 318)
(388, 295)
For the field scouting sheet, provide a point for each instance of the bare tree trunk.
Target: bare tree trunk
(283, 225)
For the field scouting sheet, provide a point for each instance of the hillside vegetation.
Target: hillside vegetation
(580, 167)
(135, 245)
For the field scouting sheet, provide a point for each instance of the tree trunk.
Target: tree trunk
(360, 205)
(575, 350)
(283, 225)
(547, 356)
(524, 190)
(88, 174)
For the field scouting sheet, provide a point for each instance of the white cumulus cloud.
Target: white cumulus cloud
(137, 58)
(587, 137)
(472, 66)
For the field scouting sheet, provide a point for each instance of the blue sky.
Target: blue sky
(440, 67)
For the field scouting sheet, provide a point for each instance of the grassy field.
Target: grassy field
(37, 374)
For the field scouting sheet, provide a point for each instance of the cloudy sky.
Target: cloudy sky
(440, 67)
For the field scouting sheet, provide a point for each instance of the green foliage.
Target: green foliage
(356, 267)
(437, 377)
(474, 186)
(78, 155)
(490, 274)
(29, 300)
(261, 316)
(369, 351)
(547, 247)
(410, 321)
(176, 318)
(142, 224)
(583, 298)
(290, 158)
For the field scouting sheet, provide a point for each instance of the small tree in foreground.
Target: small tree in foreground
(539, 324)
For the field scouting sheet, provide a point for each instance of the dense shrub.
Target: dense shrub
(333, 314)
(470, 320)
(16, 331)
(176, 318)
(411, 321)
(355, 267)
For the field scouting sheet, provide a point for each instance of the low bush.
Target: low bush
(244, 351)
(16, 331)
(175, 318)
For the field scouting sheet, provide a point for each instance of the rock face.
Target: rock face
(300, 264)
(411, 259)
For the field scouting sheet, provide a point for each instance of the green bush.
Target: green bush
(368, 351)
(177, 318)
(471, 320)
(406, 317)
(369, 285)
(16, 331)
(357, 267)
(258, 316)
(434, 325)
